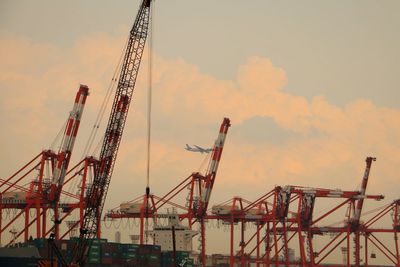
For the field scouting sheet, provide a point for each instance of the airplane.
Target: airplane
(198, 149)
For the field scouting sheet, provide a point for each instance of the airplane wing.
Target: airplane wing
(199, 148)
(204, 150)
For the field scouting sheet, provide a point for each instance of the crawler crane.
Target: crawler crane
(97, 192)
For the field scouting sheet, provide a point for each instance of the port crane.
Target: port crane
(287, 212)
(44, 192)
(200, 205)
(64, 155)
(195, 210)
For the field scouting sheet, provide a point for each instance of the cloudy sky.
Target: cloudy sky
(311, 89)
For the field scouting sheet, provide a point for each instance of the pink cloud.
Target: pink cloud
(188, 101)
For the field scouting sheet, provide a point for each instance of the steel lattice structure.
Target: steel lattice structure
(97, 192)
(286, 218)
(50, 171)
(195, 210)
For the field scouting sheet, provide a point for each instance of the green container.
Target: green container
(166, 260)
(99, 241)
(182, 254)
(122, 247)
(94, 260)
(128, 255)
(40, 242)
(153, 257)
(95, 248)
(94, 255)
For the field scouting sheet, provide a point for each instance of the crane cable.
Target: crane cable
(58, 140)
(149, 100)
(99, 119)
(111, 88)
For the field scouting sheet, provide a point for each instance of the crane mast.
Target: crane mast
(97, 192)
(213, 167)
(64, 155)
(208, 182)
(357, 213)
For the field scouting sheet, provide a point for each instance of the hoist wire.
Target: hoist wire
(149, 96)
(206, 159)
(96, 150)
(57, 138)
(99, 118)
(149, 100)
(74, 183)
(106, 100)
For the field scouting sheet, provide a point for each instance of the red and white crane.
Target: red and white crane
(355, 220)
(290, 213)
(200, 188)
(200, 209)
(42, 195)
(64, 155)
(211, 173)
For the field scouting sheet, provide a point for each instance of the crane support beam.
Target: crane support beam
(357, 213)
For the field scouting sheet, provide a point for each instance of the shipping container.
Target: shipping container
(103, 253)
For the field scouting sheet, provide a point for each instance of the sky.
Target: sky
(311, 89)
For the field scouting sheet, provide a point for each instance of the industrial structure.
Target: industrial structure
(43, 194)
(286, 223)
(285, 218)
(199, 188)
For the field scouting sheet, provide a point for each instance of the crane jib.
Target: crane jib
(96, 195)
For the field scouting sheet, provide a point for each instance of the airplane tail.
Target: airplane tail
(187, 146)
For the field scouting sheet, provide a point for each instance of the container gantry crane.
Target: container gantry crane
(195, 210)
(42, 194)
(97, 192)
(354, 222)
(374, 234)
(200, 207)
(64, 155)
(287, 212)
